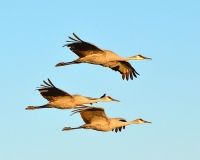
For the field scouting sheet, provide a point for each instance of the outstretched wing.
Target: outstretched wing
(92, 114)
(81, 48)
(123, 67)
(50, 92)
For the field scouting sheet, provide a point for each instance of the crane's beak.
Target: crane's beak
(139, 57)
(146, 58)
(115, 100)
(147, 122)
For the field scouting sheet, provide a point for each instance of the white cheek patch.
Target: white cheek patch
(108, 99)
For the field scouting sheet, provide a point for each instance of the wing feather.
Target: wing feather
(120, 128)
(123, 67)
(81, 48)
(50, 82)
(71, 39)
(92, 114)
(46, 83)
(50, 92)
(76, 37)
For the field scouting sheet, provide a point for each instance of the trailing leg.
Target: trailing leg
(67, 63)
(38, 107)
(69, 128)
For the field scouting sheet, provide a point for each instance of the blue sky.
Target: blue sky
(166, 92)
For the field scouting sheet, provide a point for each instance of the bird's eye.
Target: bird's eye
(140, 55)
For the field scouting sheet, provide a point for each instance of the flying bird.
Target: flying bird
(89, 53)
(62, 100)
(96, 119)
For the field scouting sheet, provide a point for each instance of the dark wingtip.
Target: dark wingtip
(77, 37)
(50, 82)
(131, 76)
(127, 75)
(71, 39)
(46, 83)
(65, 45)
(123, 76)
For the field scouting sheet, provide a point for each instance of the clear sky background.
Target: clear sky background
(167, 92)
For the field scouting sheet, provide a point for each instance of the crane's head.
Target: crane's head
(139, 57)
(140, 121)
(108, 98)
(111, 99)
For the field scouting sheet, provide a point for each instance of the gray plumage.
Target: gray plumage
(89, 53)
(62, 100)
(96, 119)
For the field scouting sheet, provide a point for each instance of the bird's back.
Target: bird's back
(112, 56)
(106, 57)
(64, 102)
(79, 99)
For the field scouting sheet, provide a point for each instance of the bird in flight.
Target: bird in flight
(89, 53)
(96, 119)
(62, 100)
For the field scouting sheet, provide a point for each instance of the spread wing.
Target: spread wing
(50, 92)
(81, 48)
(92, 114)
(123, 67)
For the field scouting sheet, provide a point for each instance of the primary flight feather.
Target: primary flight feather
(62, 100)
(95, 118)
(89, 53)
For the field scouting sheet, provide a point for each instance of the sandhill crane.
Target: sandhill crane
(96, 119)
(62, 100)
(89, 53)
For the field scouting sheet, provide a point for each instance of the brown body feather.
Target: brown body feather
(86, 49)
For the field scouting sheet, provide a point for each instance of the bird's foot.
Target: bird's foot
(60, 64)
(66, 129)
(81, 107)
(30, 108)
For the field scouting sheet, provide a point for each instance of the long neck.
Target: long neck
(129, 58)
(114, 123)
(97, 100)
(87, 100)
(134, 58)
